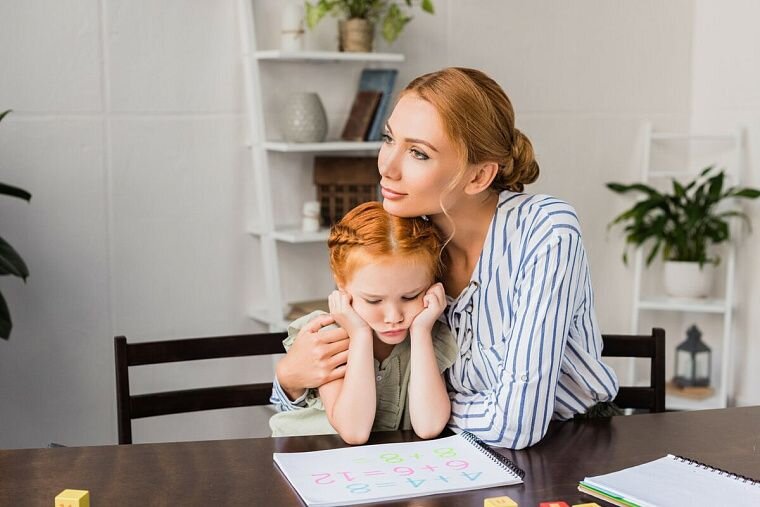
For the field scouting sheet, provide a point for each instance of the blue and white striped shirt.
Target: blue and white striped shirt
(529, 343)
(526, 327)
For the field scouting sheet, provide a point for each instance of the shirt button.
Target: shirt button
(524, 378)
(379, 378)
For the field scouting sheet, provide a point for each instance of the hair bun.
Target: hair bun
(525, 167)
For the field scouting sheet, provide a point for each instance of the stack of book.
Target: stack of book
(370, 107)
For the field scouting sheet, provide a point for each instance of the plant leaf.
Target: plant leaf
(4, 113)
(5, 319)
(11, 262)
(14, 191)
(427, 6)
(747, 193)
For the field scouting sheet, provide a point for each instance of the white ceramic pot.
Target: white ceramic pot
(304, 119)
(688, 279)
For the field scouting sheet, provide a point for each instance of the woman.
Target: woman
(519, 296)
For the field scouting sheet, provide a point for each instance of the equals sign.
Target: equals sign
(374, 472)
(385, 484)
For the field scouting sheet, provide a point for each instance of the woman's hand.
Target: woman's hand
(344, 314)
(434, 302)
(316, 357)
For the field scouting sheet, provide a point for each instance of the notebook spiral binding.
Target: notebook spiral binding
(720, 471)
(505, 462)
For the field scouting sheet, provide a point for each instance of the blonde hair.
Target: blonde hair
(479, 118)
(368, 233)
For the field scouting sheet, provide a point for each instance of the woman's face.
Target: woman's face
(388, 295)
(417, 162)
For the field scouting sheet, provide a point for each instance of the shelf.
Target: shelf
(673, 402)
(294, 234)
(330, 146)
(683, 305)
(679, 136)
(326, 56)
(262, 316)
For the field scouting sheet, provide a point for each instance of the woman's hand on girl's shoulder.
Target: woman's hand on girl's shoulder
(344, 314)
(316, 357)
(434, 302)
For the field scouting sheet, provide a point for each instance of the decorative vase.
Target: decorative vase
(688, 279)
(291, 26)
(304, 119)
(356, 35)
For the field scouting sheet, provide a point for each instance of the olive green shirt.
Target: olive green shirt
(392, 385)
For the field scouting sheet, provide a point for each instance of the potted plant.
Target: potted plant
(11, 262)
(682, 225)
(356, 30)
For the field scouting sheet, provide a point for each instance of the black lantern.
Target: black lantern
(693, 360)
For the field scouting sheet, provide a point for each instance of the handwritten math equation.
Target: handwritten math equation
(393, 470)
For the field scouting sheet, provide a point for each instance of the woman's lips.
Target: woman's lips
(390, 194)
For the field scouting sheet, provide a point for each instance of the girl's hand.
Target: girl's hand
(345, 315)
(434, 302)
(316, 357)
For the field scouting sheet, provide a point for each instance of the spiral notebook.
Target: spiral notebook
(673, 481)
(374, 473)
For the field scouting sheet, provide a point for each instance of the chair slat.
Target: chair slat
(191, 349)
(650, 346)
(194, 400)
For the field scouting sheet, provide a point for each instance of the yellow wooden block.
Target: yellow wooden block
(590, 504)
(499, 501)
(73, 498)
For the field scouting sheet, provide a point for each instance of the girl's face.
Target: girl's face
(417, 162)
(388, 295)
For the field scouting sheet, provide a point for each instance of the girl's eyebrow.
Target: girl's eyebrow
(379, 296)
(412, 140)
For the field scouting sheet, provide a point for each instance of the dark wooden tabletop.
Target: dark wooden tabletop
(241, 472)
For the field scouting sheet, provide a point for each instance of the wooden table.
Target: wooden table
(241, 472)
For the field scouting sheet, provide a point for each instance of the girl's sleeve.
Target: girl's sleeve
(515, 412)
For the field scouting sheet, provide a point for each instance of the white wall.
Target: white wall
(129, 132)
(726, 96)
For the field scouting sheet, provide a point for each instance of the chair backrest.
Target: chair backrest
(190, 349)
(652, 346)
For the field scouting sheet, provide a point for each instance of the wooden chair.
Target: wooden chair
(172, 402)
(651, 398)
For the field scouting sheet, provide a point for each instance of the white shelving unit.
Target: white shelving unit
(265, 230)
(658, 304)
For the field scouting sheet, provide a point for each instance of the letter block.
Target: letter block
(73, 498)
(499, 501)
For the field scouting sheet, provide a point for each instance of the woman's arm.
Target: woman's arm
(316, 357)
(429, 405)
(351, 402)
(552, 284)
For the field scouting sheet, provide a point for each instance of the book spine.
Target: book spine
(719, 471)
(506, 463)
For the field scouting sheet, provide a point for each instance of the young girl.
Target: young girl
(388, 304)
(520, 300)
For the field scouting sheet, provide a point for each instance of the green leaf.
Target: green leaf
(4, 113)
(11, 262)
(747, 193)
(314, 13)
(5, 319)
(427, 6)
(394, 23)
(14, 191)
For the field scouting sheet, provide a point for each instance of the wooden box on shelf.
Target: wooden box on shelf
(343, 183)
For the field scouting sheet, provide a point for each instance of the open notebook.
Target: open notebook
(373, 473)
(673, 481)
